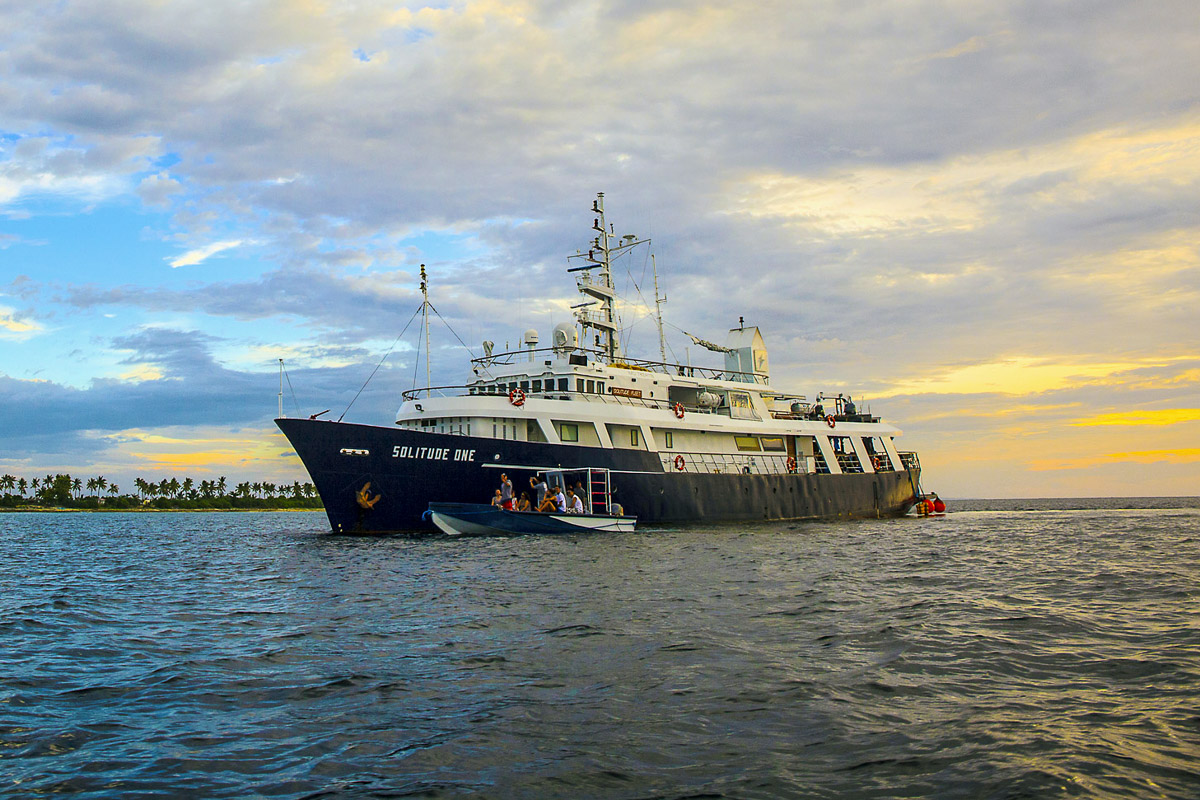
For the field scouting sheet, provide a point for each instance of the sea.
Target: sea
(1009, 649)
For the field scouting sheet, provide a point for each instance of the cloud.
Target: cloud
(15, 325)
(193, 257)
(965, 209)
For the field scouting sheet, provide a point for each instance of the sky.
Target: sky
(980, 219)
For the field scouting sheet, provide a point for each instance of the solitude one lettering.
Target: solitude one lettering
(432, 453)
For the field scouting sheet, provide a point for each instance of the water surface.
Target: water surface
(1009, 649)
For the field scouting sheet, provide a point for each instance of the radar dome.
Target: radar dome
(531, 336)
(565, 337)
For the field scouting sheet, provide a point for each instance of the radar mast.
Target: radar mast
(604, 248)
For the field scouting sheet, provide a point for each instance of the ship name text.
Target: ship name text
(433, 453)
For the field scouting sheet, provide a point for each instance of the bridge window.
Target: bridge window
(568, 432)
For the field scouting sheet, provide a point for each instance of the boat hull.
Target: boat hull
(476, 519)
(407, 470)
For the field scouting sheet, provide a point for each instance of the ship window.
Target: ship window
(739, 406)
(772, 443)
(591, 386)
(600, 387)
(747, 442)
(524, 386)
(633, 437)
(668, 439)
(563, 383)
(537, 386)
(579, 384)
(568, 432)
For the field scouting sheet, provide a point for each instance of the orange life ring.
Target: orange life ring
(516, 397)
(679, 410)
(830, 421)
(680, 463)
(791, 464)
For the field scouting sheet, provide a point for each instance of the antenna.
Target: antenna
(281, 388)
(658, 301)
(425, 314)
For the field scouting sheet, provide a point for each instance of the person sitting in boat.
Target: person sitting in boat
(523, 504)
(616, 509)
(574, 503)
(560, 500)
(496, 501)
(538, 484)
(547, 505)
(582, 495)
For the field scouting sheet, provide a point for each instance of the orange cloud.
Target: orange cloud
(1165, 416)
(1187, 455)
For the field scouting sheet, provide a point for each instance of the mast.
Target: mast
(600, 288)
(281, 388)
(425, 315)
(658, 301)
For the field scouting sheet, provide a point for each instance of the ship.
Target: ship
(679, 443)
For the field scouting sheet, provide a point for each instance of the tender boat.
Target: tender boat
(477, 519)
(680, 442)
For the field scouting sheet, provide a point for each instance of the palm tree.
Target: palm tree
(101, 482)
(35, 484)
(22, 485)
(221, 485)
(114, 490)
(187, 485)
(8, 483)
(76, 487)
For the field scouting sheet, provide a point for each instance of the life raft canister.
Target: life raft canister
(680, 463)
(678, 409)
(516, 397)
(830, 421)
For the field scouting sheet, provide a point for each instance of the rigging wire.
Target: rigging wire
(295, 403)
(380, 364)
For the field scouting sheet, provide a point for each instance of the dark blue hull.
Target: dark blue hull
(407, 470)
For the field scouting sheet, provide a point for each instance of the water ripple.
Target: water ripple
(1011, 650)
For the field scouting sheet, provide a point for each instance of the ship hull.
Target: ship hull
(407, 470)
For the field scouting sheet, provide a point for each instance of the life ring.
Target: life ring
(680, 463)
(791, 464)
(516, 397)
(830, 421)
(678, 409)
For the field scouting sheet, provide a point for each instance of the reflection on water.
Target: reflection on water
(1009, 649)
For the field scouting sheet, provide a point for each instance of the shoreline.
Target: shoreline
(63, 510)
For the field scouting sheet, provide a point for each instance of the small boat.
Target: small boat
(478, 519)
(602, 512)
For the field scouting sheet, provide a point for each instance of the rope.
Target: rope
(380, 364)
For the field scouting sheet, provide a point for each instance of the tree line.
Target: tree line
(65, 491)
